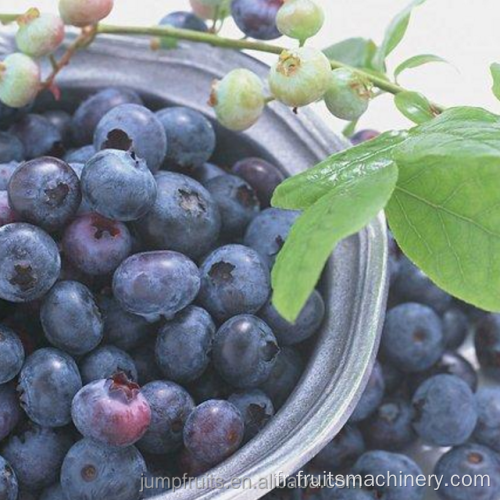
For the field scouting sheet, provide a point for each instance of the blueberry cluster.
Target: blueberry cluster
(137, 336)
(422, 391)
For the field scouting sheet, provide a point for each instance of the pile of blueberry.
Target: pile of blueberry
(422, 392)
(136, 335)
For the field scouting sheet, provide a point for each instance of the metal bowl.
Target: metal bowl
(355, 280)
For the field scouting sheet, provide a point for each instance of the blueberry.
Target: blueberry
(96, 245)
(9, 115)
(412, 339)
(237, 202)
(412, 285)
(7, 215)
(257, 18)
(487, 342)
(234, 280)
(487, 431)
(268, 231)
(306, 325)
(11, 354)
(209, 386)
(256, 408)
(145, 363)
(29, 260)
(36, 454)
(71, 319)
(9, 487)
(118, 185)
(94, 471)
(121, 328)
(38, 135)
(390, 427)
(90, 111)
(170, 407)
(342, 451)
(264, 177)
(133, 126)
(455, 327)
(156, 283)
(45, 192)
(445, 411)
(62, 121)
(206, 172)
(473, 461)
(47, 384)
(376, 463)
(190, 136)
(284, 376)
(105, 362)
(10, 411)
(112, 411)
(214, 431)
(182, 20)
(372, 395)
(54, 492)
(184, 345)
(80, 155)
(11, 148)
(6, 171)
(363, 136)
(245, 351)
(184, 218)
(395, 256)
(450, 363)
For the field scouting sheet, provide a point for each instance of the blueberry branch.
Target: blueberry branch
(200, 37)
(240, 44)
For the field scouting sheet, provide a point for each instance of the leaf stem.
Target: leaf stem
(8, 18)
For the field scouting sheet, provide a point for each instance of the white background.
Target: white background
(465, 32)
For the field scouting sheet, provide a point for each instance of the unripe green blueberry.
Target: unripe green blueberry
(84, 12)
(300, 19)
(300, 76)
(238, 99)
(19, 80)
(39, 34)
(348, 94)
(209, 9)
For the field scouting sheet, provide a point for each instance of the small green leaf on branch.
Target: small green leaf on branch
(416, 61)
(356, 52)
(495, 73)
(415, 107)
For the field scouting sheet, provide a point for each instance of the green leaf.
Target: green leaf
(416, 61)
(445, 211)
(356, 52)
(415, 106)
(394, 34)
(495, 73)
(364, 160)
(345, 210)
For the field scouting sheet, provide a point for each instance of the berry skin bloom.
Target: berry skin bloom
(79, 13)
(300, 19)
(19, 80)
(300, 76)
(348, 94)
(39, 34)
(238, 99)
